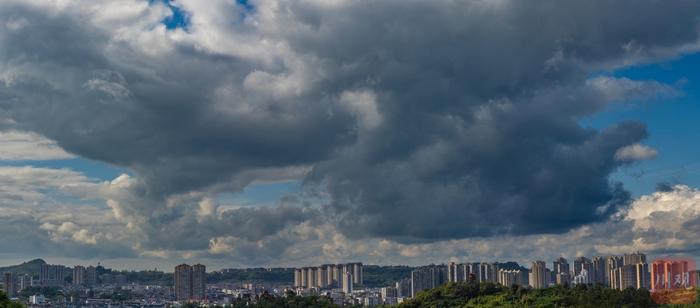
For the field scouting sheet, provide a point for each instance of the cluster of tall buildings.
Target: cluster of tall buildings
(428, 277)
(619, 272)
(431, 276)
(478, 272)
(672, 274)
(190, 282)
(329, 276)
(52, 275)
(13, 283)
(84, 276)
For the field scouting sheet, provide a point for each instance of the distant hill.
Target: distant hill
(32, 267)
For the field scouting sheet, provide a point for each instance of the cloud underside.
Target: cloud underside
(35, 223)
(426, 122)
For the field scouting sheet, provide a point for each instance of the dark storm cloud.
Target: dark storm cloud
(424, 119)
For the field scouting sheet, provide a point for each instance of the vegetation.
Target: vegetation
(291, 300)
(492, 295)
(48, 292)
(375, 276)
(268, 275)
(7, 303)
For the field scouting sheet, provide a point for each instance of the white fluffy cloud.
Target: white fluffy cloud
(17, 145)
(635, 152)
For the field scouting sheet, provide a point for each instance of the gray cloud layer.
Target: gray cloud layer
(422, 120)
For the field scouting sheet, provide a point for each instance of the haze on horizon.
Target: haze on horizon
(278, 133)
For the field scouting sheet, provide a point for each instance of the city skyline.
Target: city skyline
(283, 133)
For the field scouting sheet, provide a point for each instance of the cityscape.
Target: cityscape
(342, 284)
(349, 153)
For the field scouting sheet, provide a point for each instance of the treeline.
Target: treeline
(267, 275)
(493, 295)
(5, 302)
(291, 300)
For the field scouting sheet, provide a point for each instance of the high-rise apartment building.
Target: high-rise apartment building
(403, 288)
(348, 282)
(634, 258)
(560, 265)
(304, 277)
(199, 282)
(671, 274)
(562, 278)
(311, 278)
(488, 272)
(328, 275)
(338, 275)
(428, 277)
(642, 275)
(513, 277)
(329, 269)
(561, 271)
(457, 272)
(322, 277)
(539, 275)
(581, 263)
(357, 273)
(473, 270)
(388, 292)
(297, 277)
(624, 277)
(600, 276)
(90, 276)
(9, 284)
(183, 282)
(79, 275)
(190, 282)
(52, 275)
(581, 278)
(612, 262)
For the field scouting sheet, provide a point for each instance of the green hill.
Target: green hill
(492, 295)
(32, 267)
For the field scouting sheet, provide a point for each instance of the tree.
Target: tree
(5, 302)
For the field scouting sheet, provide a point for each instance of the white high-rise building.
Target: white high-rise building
(347, 282)
(305, 277)
(512, 277)
(581, 278)
(539, 275)
(457, 272)
(297, 278)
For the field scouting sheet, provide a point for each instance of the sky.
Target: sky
(143, 134)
